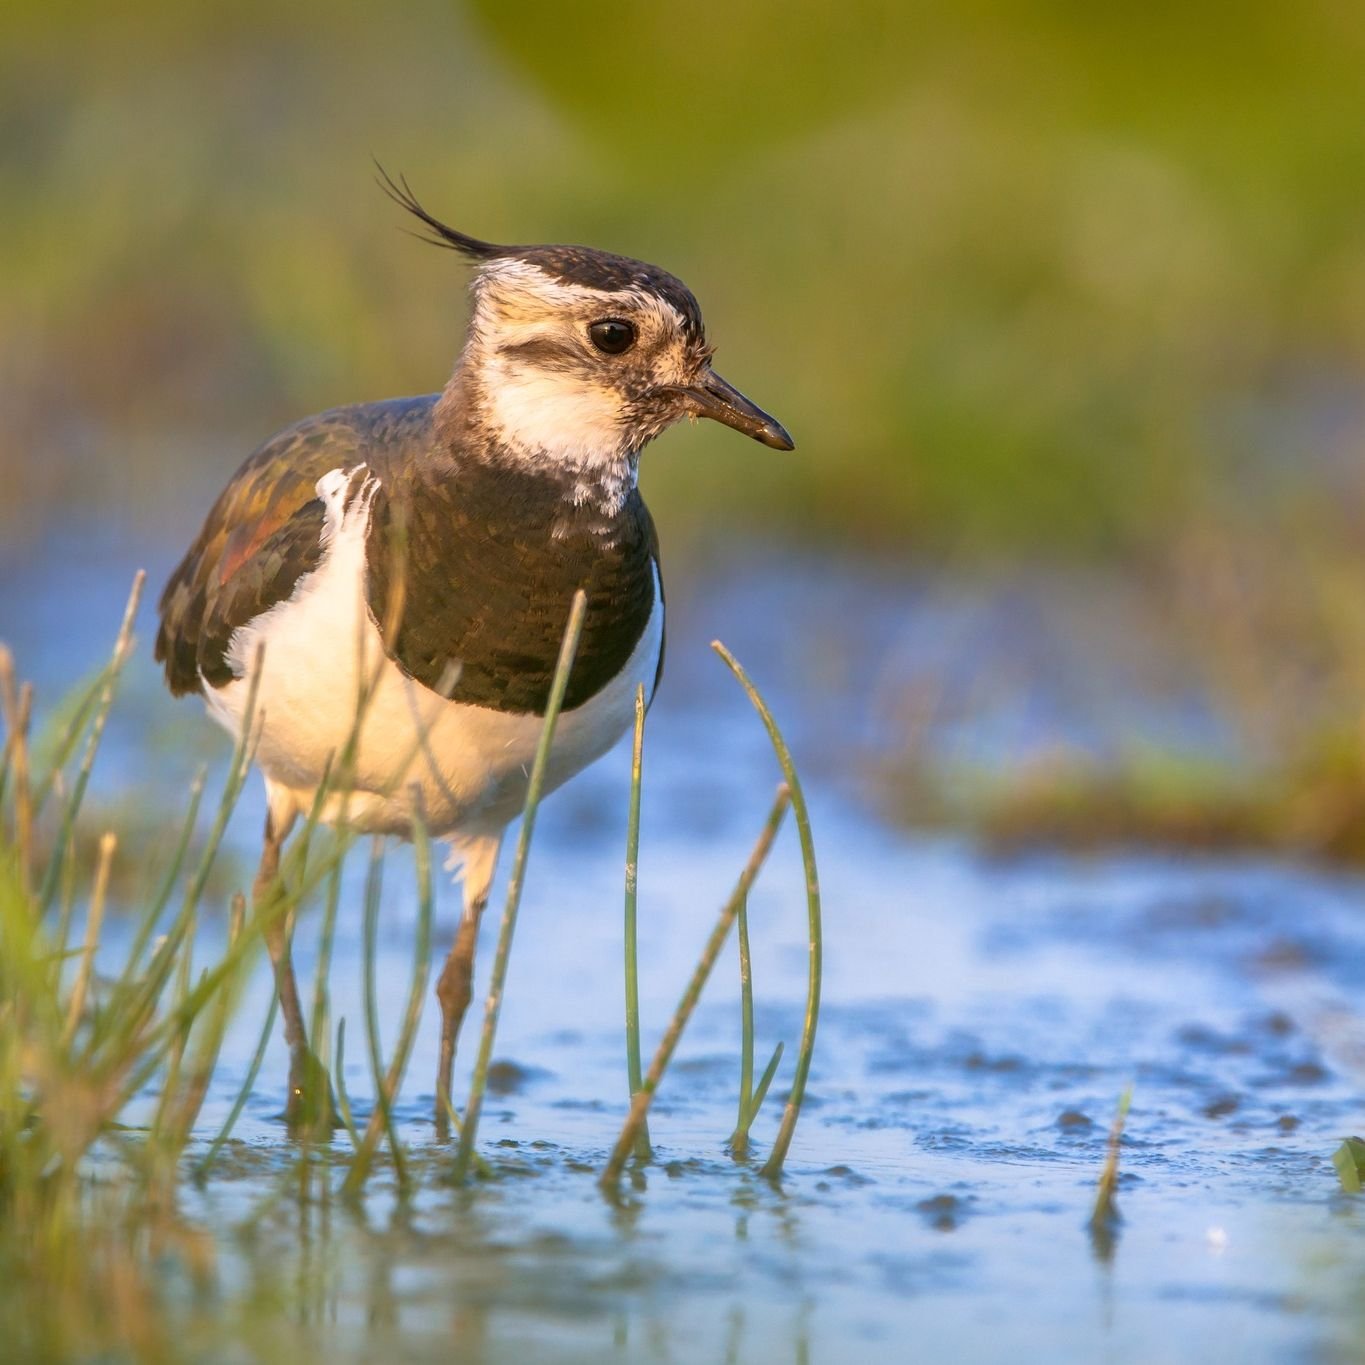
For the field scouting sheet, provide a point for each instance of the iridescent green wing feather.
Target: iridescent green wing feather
(263, 535)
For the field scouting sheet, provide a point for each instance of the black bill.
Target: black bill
(712, 397)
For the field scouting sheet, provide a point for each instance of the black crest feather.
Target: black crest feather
(579, 265)
(438, 233)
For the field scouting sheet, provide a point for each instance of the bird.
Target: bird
(427, 550)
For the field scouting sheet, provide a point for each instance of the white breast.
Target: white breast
(469, 764)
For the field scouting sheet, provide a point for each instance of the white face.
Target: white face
(571, 375)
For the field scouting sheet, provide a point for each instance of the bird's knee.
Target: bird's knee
(453, 988)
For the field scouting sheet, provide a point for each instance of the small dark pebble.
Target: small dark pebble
(1072, 1120)
(1286, 1123)
(1207, 1040)
(1283, 954)
(508, 1078)
(847, 1174)
(942, 1212)
(1222, 1107)
(1307, 1073)
(978, 1061)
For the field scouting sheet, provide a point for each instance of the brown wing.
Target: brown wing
(263, 535)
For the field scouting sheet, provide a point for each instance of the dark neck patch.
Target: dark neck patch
(494, 554)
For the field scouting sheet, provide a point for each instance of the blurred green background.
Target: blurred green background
(1024, 280)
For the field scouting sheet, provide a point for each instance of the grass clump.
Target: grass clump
(772, 1168)
(93, 1032)
(640, 1102)
(82, 1038)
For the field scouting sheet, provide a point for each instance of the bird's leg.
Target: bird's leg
(455, 986)
(454, 989)
(309, 1105)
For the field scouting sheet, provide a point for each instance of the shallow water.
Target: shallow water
(980, 1021)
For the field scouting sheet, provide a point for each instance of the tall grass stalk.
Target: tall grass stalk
(176, 1052)
(16, 704)
(567, 650)
(244, 1091)
(319, 1027)
(739, 1140)
(181, 1117)
(387, 1082)
(772, 1168)
(639, 1106)
(9, 713)
(123, 648)
(339, 1081)
(1104, 1217)
(151, 917)
(93, 921)
(643, 1149)
(71, 721)
(750, 1100)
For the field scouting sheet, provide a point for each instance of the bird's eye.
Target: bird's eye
(612, 335)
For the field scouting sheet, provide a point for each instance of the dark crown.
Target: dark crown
(581, 265)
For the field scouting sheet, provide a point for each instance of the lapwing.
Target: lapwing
(482, 509)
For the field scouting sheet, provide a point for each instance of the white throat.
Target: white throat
(539, 418)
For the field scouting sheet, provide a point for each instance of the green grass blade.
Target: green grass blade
(567, 650)
(17, 706)
(157, 1042)
(772, 1168)
(390, 1082)
(643, 1149)
(739, 1139)
(63, 744)
(765, 1081)
(161, 900)
(485, 1171)
(208, 1047)
(203, 1167)
(639, 1106)
(380, 1118)
(343, 1098)
(122, 649)
(9, 713)
(1104, 1217)
(93, 921)
(319, 1028)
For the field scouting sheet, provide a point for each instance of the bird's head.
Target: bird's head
(578, 357)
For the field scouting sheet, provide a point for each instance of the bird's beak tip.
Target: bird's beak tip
(776, 438)
(719, 400)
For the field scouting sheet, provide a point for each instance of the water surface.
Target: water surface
(981, 1019)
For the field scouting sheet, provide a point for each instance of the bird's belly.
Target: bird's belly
(466, 766)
